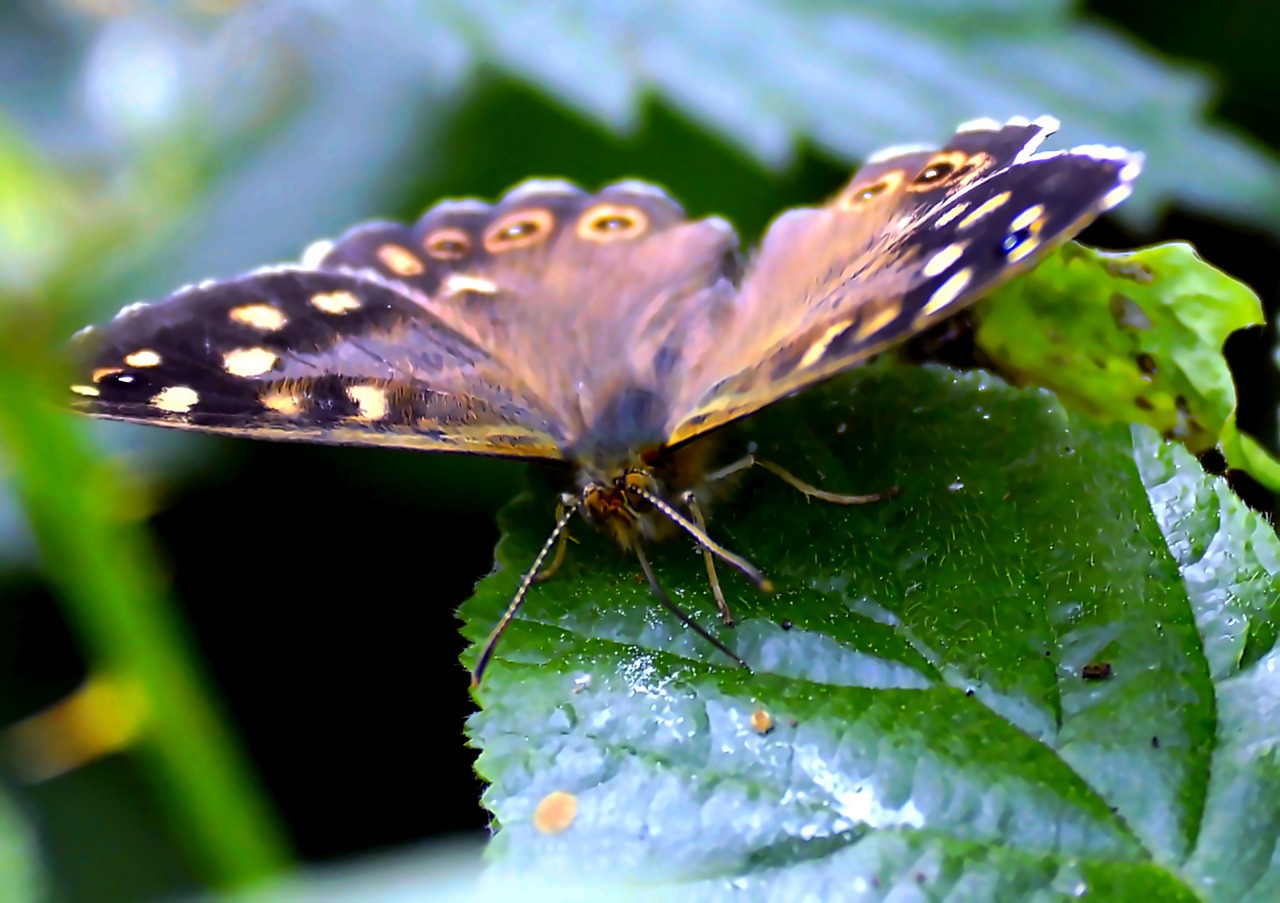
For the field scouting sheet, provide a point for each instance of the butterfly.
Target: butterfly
(605, 331)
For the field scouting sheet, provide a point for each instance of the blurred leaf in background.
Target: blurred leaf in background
(147, 145)
(20, 860)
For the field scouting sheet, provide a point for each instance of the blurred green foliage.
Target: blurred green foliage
(146, 145)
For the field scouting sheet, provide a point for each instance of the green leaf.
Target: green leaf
(1229, 559)
(1134, 336)
(33, 207)
(922, 662)
(23, 881)
(101, 567)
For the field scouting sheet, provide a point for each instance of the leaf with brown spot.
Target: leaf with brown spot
(1135, 337)
(928, 700)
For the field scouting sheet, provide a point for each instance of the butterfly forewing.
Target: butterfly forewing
(307, 355)
(913, 239)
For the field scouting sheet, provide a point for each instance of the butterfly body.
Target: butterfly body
(606, 331)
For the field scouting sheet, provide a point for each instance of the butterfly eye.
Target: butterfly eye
(518, 230)
(611, 222)
(635, 479)
(447, 244)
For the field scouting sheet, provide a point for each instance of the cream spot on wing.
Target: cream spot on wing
(985, 208)
(1115, 196)
(176, 399)
(249, 361)
(896, 150)
(103, 372)
(130, 308)
(877, 321)
(951, 214)
(335, 302)
(315, 253)
(457, 283)
(948, 292)
(978, 125)
(1022, 251)
(534, 187)
(1027, 218)
(259, 316)
(400, 261)
(91, 391)
(371, 400)
(144, 357)
(939, 263)
(819, 348)
(288, 403)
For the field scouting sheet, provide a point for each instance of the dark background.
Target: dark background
(341, 673)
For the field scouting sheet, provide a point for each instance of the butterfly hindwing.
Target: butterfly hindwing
(912, 240)
(306, 355)
(582, 295)
(422, 256)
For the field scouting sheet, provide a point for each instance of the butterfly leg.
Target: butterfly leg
(691, 502)
(661, 595)
(800, 485)
(568, 508)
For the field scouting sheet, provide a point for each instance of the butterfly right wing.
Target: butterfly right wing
(913, 239)
(300, 354)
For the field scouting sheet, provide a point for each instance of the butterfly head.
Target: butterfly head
(623, 506)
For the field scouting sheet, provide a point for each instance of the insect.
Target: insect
(606, 331)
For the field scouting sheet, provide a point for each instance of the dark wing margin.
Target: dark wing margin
(305, 355)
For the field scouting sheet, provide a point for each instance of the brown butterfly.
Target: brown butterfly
(606, 331)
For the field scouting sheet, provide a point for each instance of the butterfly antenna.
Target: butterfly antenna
(660, 593)
(700, 536)
(569, 507)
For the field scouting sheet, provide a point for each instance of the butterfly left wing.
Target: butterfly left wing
(300, 354)
(915, 237)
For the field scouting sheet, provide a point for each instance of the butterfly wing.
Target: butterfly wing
(545, 325)
(915, 237)
(581, 296)
(301, 354)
